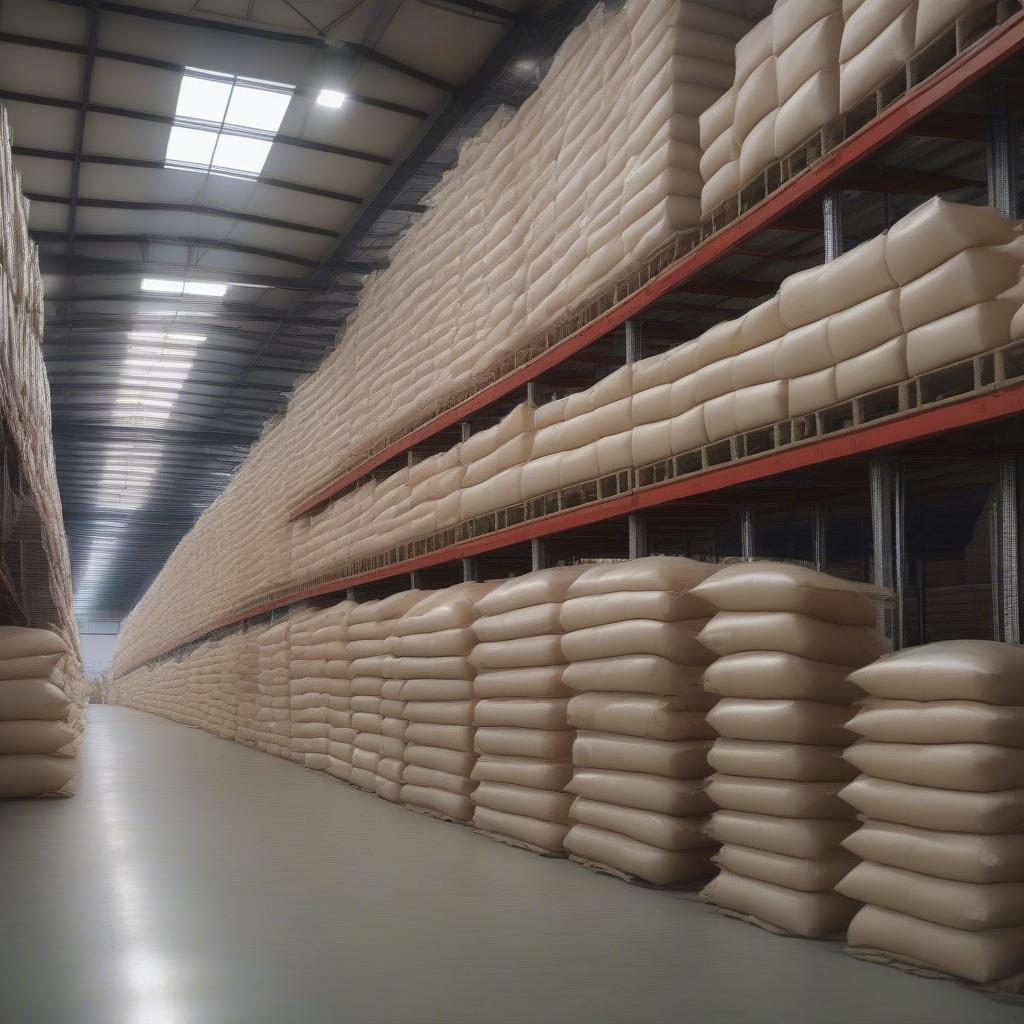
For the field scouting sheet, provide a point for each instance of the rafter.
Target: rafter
(159, 165)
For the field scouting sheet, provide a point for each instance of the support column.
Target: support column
(888, 542)
(1002, 154)
(1006, 552)
(746, 534)
(470, 570)
(637, 537)
(634, 341)
(350, 594)
(466, 429)
(414, 580)
(538, 554)
(533, 393)
(820, 538)
(832, 222)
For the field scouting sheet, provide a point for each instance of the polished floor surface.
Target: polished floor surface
(195, 881)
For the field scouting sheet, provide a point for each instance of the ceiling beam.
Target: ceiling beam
(159, 165)
(195, 303)
(76, 161)
(87, 266)
(152, 207)
(294, 141)
(901, 181)
(475, 7)
(119, 330)
(185, 241)
(59, 46)
(294, 38)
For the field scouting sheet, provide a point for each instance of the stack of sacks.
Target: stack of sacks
(942, 805)
(311, 683)
(785, 88)
(936, 289)
(340, 734)
(492, 463)
(248, 688)
(522, 735)
(272, 699)
(375, 754)
(957, 267)
(640, 754)
(431, 700)
(801, 66)
(787, 637)
(880, 36)
(38, 740)
(531, 223)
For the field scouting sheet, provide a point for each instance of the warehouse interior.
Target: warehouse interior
(511, 510)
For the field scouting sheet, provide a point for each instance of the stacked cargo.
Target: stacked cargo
(435, 700)
(272, 691)
(800, 67)
(247, 687)
(39, 733)
(640, 753)
(371, 627)
(545, 209)
(787, 637)
(523, 736)
(310, 684)
(941, 798)
(340, 734)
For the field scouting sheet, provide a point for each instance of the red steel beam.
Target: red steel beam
(913, 426)
(956, 76)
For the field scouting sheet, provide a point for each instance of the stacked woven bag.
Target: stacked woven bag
(272, 697)
(787, 637)
(371, 627)
(523, 735)
(640, 754)
(941, 799)
(435, 693)
(38, 732)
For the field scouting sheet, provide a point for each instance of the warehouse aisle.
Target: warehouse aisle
(194, 881)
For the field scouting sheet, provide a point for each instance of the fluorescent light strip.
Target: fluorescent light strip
(169, 286)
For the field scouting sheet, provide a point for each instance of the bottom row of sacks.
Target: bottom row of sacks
(739, 728)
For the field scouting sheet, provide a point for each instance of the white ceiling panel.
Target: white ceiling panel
(42, 18)
(45, 72)
(41, 127)
(442, 43)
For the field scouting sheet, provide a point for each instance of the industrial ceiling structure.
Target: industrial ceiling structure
(210, 182)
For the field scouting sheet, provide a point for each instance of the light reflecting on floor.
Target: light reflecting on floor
(194, 881)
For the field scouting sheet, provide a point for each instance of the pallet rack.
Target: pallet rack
(978, 391)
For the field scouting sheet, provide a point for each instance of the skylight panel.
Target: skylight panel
(167, 286)
(225, 124)
(165, 336)
(160, 284)
(204, 288)
(191, 146)
(257, 107)
(237, 153)
(204, 95)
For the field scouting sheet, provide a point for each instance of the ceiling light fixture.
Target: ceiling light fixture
(168, 286)
(331, 98)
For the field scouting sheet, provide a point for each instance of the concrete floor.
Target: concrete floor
(194, 881)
